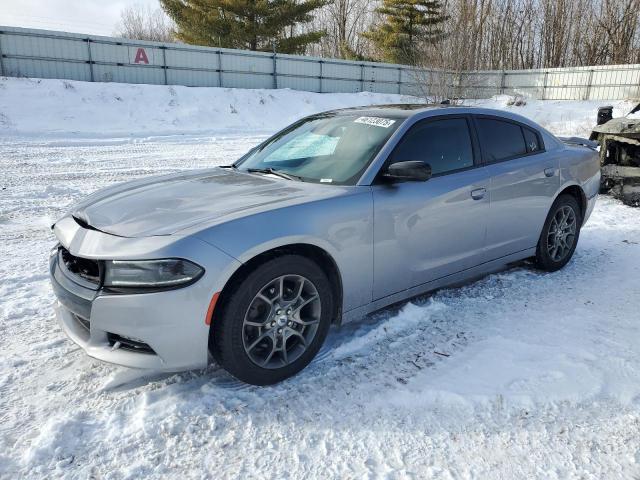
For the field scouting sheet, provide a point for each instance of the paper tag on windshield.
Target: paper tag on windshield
(375, 121)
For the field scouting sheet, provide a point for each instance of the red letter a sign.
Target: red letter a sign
(141, 57)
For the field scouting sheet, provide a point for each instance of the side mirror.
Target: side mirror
(412, 171)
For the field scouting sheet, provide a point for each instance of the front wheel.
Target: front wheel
(560, 234)
(274, 321)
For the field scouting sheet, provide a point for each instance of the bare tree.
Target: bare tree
(523, 34)
(513, 34)
(143, 23)
(620, 22)
(344, 21)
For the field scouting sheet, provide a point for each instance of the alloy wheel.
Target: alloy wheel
(562, 233)
(281, 321)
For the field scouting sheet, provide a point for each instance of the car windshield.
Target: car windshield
(326, 148)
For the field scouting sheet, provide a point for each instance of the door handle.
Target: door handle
(549, 172)
(478, 193)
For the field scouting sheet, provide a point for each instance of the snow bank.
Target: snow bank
(64, 108)
(561, 117)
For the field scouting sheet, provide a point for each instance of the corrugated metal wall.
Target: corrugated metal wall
(49, 54)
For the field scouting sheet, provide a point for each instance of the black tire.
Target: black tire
(544, 251)
(229, 332)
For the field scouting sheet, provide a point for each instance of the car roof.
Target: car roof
(399, 110)
(408, 110)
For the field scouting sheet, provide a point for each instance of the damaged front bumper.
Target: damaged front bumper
(162, 330)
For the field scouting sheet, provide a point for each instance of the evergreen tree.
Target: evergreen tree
(246, 24)
(406, 24)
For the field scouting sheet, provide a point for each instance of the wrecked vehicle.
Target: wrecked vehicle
(619, 140)
(335, 217)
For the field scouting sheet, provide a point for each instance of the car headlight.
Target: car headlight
(164, 273)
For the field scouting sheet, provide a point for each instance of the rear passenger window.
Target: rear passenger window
(532, 140)
(500, 140)
(443, 144)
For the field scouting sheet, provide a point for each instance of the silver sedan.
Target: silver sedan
(336, 216)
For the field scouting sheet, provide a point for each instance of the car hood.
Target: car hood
(167, 204)
(620, 126)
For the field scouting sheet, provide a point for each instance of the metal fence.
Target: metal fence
(50, 54)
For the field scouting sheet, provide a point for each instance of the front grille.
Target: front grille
(130, 344)
(85, 268)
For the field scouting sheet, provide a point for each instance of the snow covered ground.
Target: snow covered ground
(67, 109)
(519, 375)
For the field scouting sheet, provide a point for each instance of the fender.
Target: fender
(343, 229)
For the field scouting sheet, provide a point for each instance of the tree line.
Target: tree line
(450, 34)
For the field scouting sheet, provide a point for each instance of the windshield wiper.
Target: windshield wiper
(229, 166)
(273, 171)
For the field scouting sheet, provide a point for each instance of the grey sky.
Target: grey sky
(98, 17)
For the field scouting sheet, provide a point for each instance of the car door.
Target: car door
(427, 230)
(524, 179)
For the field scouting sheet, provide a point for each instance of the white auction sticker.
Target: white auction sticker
(375, 121)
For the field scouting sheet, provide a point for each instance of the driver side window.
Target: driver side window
(444, 144)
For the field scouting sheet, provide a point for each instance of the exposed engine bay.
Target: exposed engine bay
(619, 140)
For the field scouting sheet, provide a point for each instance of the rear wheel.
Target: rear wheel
(560, 234)
(274, 322)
